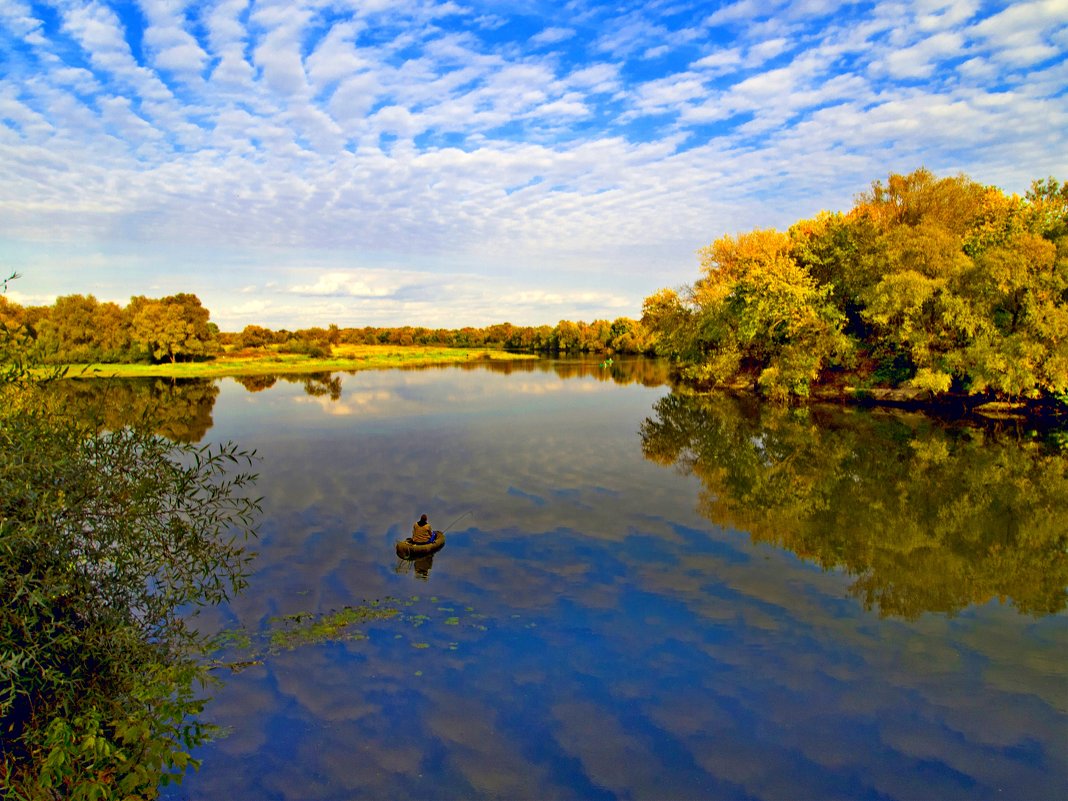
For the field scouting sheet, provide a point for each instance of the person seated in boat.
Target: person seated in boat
(422, 533)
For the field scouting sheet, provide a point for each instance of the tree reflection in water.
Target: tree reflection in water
(256, 383)
(317, 385)
(623, 370)
(179, 409)
(929, 517)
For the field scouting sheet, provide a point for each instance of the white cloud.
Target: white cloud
(174, 48)
(226, 40)
(99, 32)
(381, 153)
(596, 79)
(336, 56)
(18, 18)
(354, 284)
(543, 299)
(668, 94)
(117, 115)
(978, 69)
(766, 50)
(23, 299)
(936, 15)
(742, 10)
(720, 61)
(253, 309)
(552, 36)
(921, 59)
(1024, 34)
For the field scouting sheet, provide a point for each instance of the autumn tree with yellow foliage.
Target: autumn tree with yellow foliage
(934, 284)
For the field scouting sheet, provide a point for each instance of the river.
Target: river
(643, 594)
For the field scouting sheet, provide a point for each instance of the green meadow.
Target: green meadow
(256, 361)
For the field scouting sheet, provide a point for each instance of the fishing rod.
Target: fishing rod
(457, 520)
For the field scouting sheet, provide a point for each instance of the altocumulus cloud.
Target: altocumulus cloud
(346, 283)
(468, 162)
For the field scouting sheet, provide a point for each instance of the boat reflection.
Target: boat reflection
(419, 568)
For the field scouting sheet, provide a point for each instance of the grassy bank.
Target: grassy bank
(345, 358)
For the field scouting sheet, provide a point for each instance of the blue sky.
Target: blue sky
(387, 162)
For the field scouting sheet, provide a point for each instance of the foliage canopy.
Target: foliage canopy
(79, 329)
(105, 537)
(939, 284)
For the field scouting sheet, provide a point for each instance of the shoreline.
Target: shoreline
(368, 357)
(1048, 411)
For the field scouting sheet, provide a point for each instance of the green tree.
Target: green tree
(964, 290)
(79, 329)
(567, 336)
(914, 267)
(404, 336)
(105, 538)
(499, 334)
(629, 336)
(172, 328)
(593, 337)
(254, 336)
(68, 334)
(13, 330)
(942, 284)
(113, 336)
(837, 249)
(671, 320)
(755, 312)
(1020, 347)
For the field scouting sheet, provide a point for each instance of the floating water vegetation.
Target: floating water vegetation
(303, 629)
(238, 649)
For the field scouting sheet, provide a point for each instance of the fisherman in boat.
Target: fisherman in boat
(422, 533)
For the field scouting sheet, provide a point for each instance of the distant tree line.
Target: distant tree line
(938, 285)
(622, 335)
(79, 329)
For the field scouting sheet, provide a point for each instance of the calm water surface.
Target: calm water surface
(650, 597)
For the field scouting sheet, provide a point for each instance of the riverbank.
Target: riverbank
(345, 358)
(1048, 411)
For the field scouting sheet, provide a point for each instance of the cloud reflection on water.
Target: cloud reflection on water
(629, 647)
